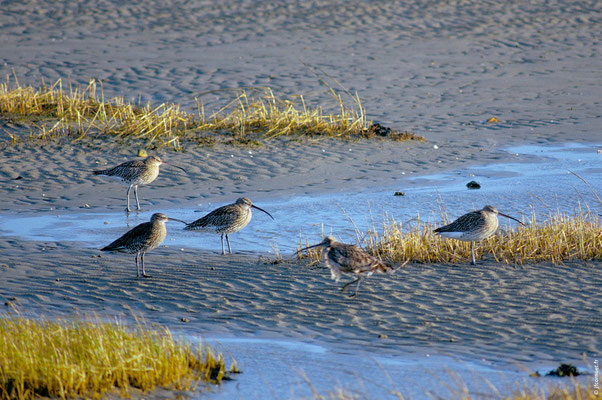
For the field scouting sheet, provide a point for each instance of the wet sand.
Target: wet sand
(437, 69)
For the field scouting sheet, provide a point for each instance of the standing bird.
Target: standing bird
(142, 238)
(134, 173)
(476, 225)
(341, 257)
(226, 219)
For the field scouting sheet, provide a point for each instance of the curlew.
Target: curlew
(134, 173)
(341, 257)
(474, 226)
(227, 219)
(142, 238)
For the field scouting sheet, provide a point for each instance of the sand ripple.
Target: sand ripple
(526, 313)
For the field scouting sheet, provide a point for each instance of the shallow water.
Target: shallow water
(539, 177)
(275, 368)
(289, 369)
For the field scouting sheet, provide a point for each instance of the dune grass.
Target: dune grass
(85, 359)
(254, 113)
(559, 238)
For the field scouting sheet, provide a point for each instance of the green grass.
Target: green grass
(68, 359)
(51, 111)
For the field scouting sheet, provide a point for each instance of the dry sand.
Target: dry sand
(438, 69)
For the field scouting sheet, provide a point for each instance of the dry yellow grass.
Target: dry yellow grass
(68, 359)
(569, 391)
(52, 111)
(573, 391)
(559, 238)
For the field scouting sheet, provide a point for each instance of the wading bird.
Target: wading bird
(134, 173)
(142, 238)
(227, 219)
(474, 226)
(341, 257)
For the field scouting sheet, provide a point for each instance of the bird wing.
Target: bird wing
(223, 216)
(355, 260)
(131, 241)
(465, 223)
(126, 170)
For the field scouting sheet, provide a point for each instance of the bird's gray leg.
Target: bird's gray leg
(129, 190)
(472, 253)
(349, 284)
(143, 271)
(223, 248)
(359, 280)
(137, 267)
(136, 193)
(228, 241)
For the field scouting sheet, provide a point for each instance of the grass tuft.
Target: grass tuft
(52, 111)
(570, 391)
(574, 391)
(559, 238)
(67, 359)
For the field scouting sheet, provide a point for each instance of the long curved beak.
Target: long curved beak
(307, 248)
(175, 166)
(261, 209)
(177, 220)
(507, 216)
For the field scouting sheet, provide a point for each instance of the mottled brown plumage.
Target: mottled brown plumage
(227, 219)
(474, 226)
(142, 238)
(134, 173)
(341, 257)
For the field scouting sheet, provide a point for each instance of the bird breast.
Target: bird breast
(147, 175)
(238, 221)
(156, 237)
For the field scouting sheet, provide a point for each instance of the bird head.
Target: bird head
(494, 211)
(160, 217)
(154, 160)
(246, 203)
(325, 243)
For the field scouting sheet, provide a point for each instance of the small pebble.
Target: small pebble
(399, 194)
(142, 153)
(383, 336)
(184, 319)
